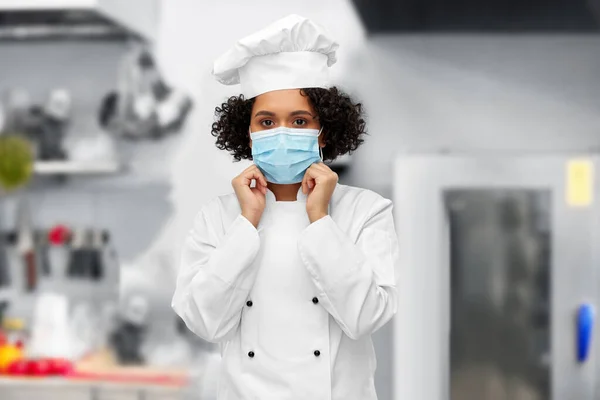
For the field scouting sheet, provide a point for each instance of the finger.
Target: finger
(309, 180)
(251, 172)
(253, 175)
(262, 180)
(305, 179)
(324, 170)
(244, 176)
(321, 167)
(304, 183)
(313, 167)
(313, 172)
(259, 189)
(251, 167)
(247, 173)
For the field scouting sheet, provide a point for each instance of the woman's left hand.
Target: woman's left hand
(318, 183)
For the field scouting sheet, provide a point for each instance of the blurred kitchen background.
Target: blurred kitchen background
(477, 111)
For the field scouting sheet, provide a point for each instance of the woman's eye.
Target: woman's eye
(299, 122)
(267, 122)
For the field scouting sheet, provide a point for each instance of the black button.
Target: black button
(315, 300)
(317, 353)
(249, 303)
(251, 354)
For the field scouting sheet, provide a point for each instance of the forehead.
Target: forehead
(282, 101)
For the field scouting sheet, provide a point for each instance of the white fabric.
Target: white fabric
(50, 334)
(291, 53)
(347, 260)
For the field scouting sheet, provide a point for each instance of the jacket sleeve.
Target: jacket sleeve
(215, 276)
(356, 280)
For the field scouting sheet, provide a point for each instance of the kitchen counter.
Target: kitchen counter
(96, 379)
(67, 389)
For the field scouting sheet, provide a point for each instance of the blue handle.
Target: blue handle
(585, 324)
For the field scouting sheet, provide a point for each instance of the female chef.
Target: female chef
(293, 272)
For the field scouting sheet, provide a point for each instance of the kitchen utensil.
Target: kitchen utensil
(4, 267)
(98, 250)
(41, 246)
(78, 258)
(25, 245)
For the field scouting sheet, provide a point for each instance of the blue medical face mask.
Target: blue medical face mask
(284, 154)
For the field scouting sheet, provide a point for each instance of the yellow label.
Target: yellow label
(580, 183)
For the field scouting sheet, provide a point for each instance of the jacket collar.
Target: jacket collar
(270, 196)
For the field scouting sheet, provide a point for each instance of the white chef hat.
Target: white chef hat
(292, 53)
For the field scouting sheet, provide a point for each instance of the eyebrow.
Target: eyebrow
(266, 113)
(301, 112)
(292, 114)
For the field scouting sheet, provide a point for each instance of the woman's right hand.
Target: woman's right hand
(252, 199)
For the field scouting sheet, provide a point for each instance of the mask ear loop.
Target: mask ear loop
(320, 149)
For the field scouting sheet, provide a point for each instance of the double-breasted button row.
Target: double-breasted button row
(249, 302)
(315, 300)
(317, 353)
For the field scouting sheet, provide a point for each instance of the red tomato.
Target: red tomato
(60, 367)
(38, 368)
(18, 367)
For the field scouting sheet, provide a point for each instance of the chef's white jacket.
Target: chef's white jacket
(293, 304)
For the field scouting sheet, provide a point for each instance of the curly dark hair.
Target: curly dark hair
(341, 118)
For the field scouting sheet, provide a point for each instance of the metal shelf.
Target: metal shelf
(35, 19)
(77, 168)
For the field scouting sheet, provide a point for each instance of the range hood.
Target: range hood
(104, 19)
(472, 16)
